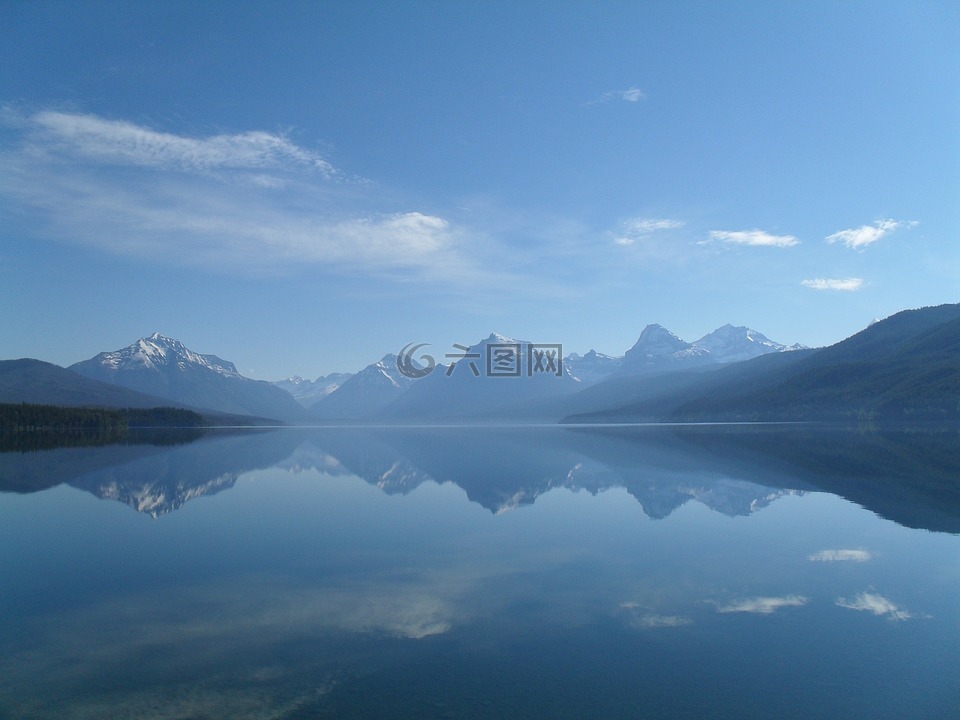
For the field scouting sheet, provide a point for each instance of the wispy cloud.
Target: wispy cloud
(122, 143)
(763, 605)
(840, 556)
(753, 237)
(847, 284)
(859, 238)
(876, 604)
(631, 94)
(637, 229)
(253, 201)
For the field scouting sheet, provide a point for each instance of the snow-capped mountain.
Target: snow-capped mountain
(733, 344)
(164, 367)
(158, 352)
(363, 393)
(659, 349)
(309, 392)
(498, 376)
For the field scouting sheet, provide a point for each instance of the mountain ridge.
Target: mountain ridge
(363, 393)
(165, 367)
(905, 367)
(27, 380)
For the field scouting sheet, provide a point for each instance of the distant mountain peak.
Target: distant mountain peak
(159, 351)
(496, 337)
(735, 343)
(364, 392)
(656, 334)
(591, 367)
(165, 367)
(307, 392)
(656, 342)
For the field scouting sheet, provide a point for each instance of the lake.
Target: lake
(465, 572)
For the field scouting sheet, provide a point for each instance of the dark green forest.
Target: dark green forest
(24, 417)
(26, 427)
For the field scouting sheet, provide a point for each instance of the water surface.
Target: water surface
(465, 572)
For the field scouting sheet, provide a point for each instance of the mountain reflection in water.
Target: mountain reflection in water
(908, 477)
(375, 573)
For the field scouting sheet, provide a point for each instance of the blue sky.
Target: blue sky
(303, 187)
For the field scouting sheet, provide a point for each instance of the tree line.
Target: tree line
(25, 417)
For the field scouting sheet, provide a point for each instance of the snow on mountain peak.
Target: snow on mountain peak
(157, 352)
(657, 342)
(733, 344)
(497, 339)
(656, 332)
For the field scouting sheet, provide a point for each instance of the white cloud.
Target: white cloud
(847, 284)
(639, 228)
(861, 237)
(753, 237)
(123, 143)
(840, 556)
(252, 202)
(763, 605)
(632, 94)
(876, 604)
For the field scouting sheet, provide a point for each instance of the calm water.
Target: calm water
(690, 572)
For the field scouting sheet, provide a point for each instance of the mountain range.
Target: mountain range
(903, 368)
(906, 367)
(309, 392)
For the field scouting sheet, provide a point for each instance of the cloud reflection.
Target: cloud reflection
(657, 621)
(876, 604)
(640, 618)
(763, 605)
(840, 556)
